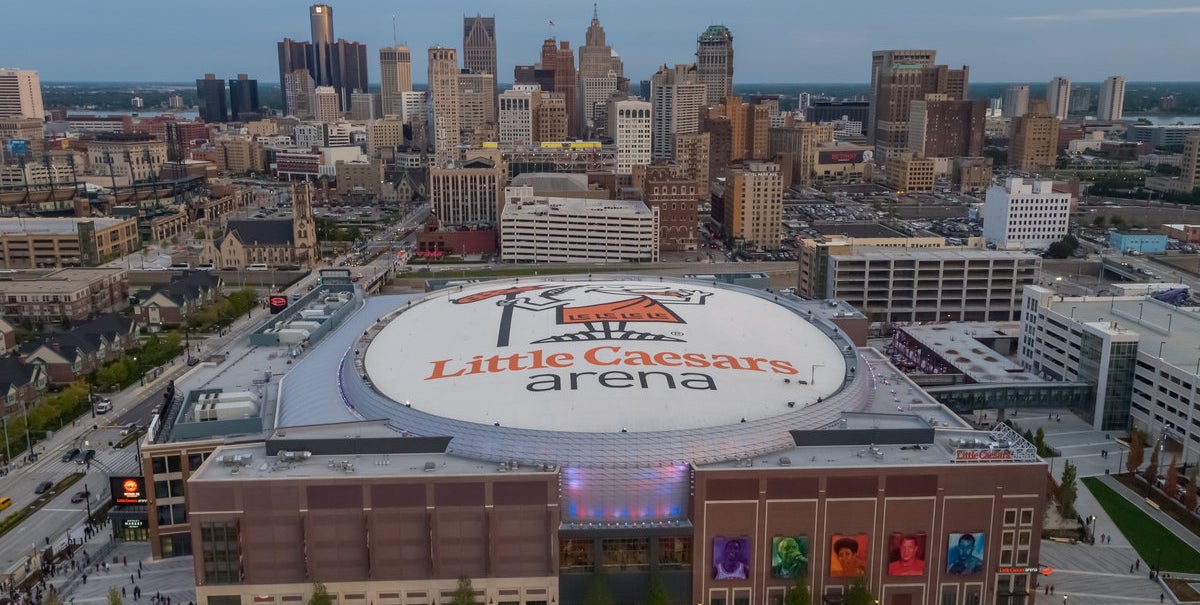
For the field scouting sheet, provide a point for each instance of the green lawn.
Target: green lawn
(1151, 540)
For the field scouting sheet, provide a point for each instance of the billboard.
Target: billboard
(17, 147)
(789, 556)
(128, 490)
(278, 303)
(731, 558)
(964, 553)
(849, 555)
(906, 554)
(845, 156)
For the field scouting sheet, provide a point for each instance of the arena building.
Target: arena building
(543, 435)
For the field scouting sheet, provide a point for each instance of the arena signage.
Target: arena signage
(997, 455)
(128, 490)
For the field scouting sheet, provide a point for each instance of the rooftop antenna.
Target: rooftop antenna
(394, 43)
(595, 11)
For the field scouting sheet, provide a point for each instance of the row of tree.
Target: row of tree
(1137, 453)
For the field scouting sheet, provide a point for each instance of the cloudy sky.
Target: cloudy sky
(774, 40)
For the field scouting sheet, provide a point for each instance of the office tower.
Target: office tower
(939, 127)
(293, 57)
(298, 90)
(754, 206)
(479, 45)
(667, 190)
(747, 128)
(552, 118)
(349, 71)
(888, 59)
(395, 68)
(1033, 145)
(363, 106)
(714, 63)
(564, 83)
(518, 114)
(476, 100)
(210, 94)
(325, 104)
(691, 153)
(243, 99)
(320, 17)
(903, 77)
(443, 91)
(798, 142)
(414, 107)
(1112, 98)
(1016, 101)
(600, 72)
(1058, 97)
(21, 94)
(629, 125)
(1026, 213)
(677, 96)
(384, 133)
(468, 192)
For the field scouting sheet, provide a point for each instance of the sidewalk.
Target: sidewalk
(1162, 518)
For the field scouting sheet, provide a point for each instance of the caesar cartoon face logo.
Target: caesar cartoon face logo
(594, 312)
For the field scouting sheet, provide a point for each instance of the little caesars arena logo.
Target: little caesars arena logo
(618, 315)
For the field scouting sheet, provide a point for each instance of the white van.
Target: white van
(258, 267)
(183, 266)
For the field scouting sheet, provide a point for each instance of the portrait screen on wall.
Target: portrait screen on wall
(964, 553)
(789, 556)
(906, 554)
(731, 557)
(849, 555)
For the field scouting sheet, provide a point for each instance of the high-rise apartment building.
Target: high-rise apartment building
(443, 89)
(21, 94)
(677, 96)
(748, 126)
(476, 100)
(600, 73)
(798, 142)
(691, 154)
(942, 128)
(518, 114)
(243, 99)
(325, 104)
(479, 46)
(887, 59)
(462, 193)
(903, 77)
(1058, 97)
(1112, 98)
(1025, 213)
(295, 57)
(629, 125)
(210, 94)
(1016, 101)
(1033, 144)
(754, 206)
(384, 133)
(714, 63)
(395, 68)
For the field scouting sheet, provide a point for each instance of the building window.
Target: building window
(577, 555)
(674, 552)
(219, 544)
(626, 552)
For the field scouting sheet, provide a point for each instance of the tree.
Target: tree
(1151, 472)
(859, 593)
(1171, 483)
(1039, 440)
(320, 596)
(1099, 221)
(1067, 490)
(598, 592)
(1137, 451)
(465, 593)
(1190, 492)
(656, 594)
(798, 593)
(114, 597)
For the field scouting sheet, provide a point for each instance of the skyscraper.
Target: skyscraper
(1033, 145)
(600, 72)
(349, 71)
(518, 111)
(479, 45)
(944, 128)
(395, 67)
(900, 77)
(629, 124)
(564, 82)
(210, 93)
(21, 94)
(243, 99)
(1016, 101)
(295, 56)
(476, 100)
(443, 89)
(1058, 97)
(325, 104)
(320, 17)
(677, 96)
(1112, 98)
(714, 63)
(887, 59)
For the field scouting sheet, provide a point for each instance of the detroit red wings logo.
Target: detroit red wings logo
(602, 312)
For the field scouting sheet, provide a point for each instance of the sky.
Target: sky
(775, 41)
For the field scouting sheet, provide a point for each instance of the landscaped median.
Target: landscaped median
(1155, 543)
(17, 517)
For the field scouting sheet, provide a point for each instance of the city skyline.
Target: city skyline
(823, 47)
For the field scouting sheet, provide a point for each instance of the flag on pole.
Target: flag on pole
(551, 24)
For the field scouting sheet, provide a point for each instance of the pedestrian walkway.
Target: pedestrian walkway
(174, 577)
(1094, 575)
(1162, 518)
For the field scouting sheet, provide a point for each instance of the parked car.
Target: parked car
(43, 487)
(104, 405)
(70, 454)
